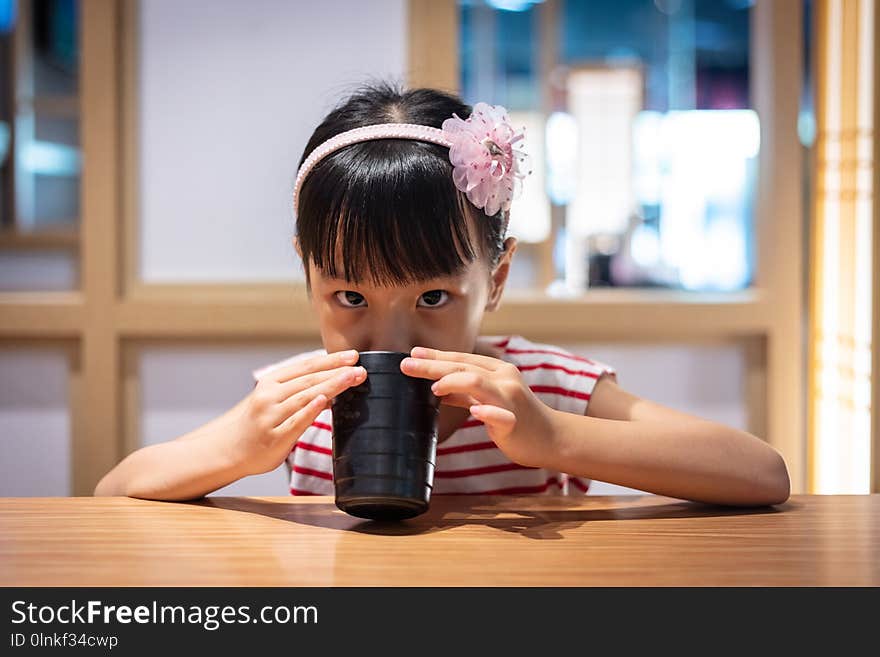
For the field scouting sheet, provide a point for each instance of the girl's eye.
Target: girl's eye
(433, 298)
(351, 299)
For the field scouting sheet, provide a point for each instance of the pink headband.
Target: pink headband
(485, 165)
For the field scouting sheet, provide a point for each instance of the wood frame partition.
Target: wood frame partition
(114, 310)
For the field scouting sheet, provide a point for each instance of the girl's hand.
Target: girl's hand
(284, 403)
(494, 392)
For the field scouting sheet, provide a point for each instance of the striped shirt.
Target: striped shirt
(468, 461)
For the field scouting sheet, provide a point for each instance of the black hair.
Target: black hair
(387, 210)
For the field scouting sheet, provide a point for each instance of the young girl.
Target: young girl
(401, 228)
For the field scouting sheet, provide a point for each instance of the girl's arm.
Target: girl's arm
(633, 442)
(254, 436)
(188, 467)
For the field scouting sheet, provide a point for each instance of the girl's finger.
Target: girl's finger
(477, 360)
(499, 418)
(300, 383)
(462, 401)
(312, 364)
(423, 368)
(296, 424)
(329, 388)
(468, 383)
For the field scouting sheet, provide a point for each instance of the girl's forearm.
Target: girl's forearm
(182, 469)
(689, 459)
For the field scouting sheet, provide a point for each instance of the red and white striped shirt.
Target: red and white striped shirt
(468, 461)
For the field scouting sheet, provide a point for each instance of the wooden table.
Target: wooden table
(462, 540)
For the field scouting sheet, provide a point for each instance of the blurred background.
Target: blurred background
(701, 215)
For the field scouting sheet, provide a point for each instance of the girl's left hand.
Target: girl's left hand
(494, 392)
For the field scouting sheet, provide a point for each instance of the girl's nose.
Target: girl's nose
(392, 335)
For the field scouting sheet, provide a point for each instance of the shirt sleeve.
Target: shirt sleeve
(575, 378)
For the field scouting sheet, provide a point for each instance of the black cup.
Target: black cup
(385, 441)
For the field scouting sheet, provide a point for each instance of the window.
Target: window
(642, 134)
(40, 159)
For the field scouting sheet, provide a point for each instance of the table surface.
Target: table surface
(461, 541)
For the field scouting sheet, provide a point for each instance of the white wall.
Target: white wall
(229, 93)
(702, 379)
(38, 271)
(34, 422)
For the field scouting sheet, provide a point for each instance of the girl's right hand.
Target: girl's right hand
(284, 403)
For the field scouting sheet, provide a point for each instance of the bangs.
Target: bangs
(386, 211)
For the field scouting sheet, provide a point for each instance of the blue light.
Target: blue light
(4, 141)
(7, 15)
(512, 5)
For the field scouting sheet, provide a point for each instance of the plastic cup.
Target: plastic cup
(385, 441)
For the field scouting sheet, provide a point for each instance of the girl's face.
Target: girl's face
(443, 313)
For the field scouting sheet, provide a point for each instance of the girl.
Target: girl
(402, 202)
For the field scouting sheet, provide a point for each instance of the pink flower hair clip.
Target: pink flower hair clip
(487, 167)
